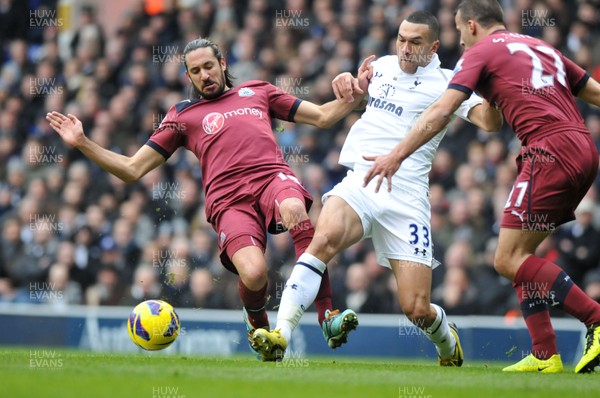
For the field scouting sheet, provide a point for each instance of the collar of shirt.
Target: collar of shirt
(433, 64)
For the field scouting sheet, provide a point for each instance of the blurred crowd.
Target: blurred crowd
(73, 234)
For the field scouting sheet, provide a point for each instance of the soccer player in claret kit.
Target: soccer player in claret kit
(533, 84)
(248, 186)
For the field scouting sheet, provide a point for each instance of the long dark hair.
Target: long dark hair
(203, 42)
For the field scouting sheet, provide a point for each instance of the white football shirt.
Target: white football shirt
(396, 100)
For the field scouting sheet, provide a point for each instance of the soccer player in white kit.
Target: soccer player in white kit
(398, 221)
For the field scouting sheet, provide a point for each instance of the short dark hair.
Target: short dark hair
(204, 42)
(426, 18)
(484, 12)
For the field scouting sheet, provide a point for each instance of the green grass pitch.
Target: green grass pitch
(48, 373)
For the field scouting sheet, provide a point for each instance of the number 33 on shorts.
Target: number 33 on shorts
(419, 237)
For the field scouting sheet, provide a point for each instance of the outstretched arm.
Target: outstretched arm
(323, 116)
(348, 91)
(486, 117)
(590, 93)
(431, 122)
(127, 168)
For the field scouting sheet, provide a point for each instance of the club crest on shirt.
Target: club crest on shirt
(416, 84)
(245, 92)
(213, 123)
(386, 90)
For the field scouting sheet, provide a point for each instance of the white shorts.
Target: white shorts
(398, 221)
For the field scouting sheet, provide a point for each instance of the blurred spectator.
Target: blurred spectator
(13, 20)
(124, 242)
(87, 255)
(61, 291)
(202, 247)
(145, 286)
(495, 294)
(38, 253)
(108, 289)
(11, 250)
(202, 292)
(591, 284)
(88, 40)
(175, 286)
(17, 64)
(457, 294)
(361, 296)
(578, 244)
(442, 169)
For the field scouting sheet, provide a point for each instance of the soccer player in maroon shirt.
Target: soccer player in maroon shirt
(248, 186)
(533, 84)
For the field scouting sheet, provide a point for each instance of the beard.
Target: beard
(214, 93)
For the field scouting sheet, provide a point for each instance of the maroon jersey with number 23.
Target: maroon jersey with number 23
(534, 85)
(531, 81)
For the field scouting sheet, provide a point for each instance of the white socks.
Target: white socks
(300, 291)
(439, 334)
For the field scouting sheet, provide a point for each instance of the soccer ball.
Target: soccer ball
(153, 325)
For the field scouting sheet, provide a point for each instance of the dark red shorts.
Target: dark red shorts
(555, 173)
(245, 222)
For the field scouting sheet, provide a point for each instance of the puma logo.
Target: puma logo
(515, 213)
